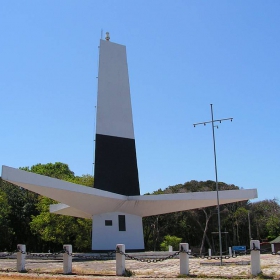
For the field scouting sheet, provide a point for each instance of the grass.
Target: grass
(128, 273)
(263, 276)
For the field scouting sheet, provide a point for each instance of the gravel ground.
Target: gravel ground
(238, 268)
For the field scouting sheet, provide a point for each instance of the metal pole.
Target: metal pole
(250, 237)
(216, 173)
(217, 188)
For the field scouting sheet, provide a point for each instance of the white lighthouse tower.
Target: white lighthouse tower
(115, 167)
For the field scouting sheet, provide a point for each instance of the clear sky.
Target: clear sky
(182, 56)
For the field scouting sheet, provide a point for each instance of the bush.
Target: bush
(169, 240)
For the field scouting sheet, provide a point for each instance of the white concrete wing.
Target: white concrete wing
(85, 199)
(63, 209)
(149, 205)
(81, 201)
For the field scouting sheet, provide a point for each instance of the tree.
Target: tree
(208, 213)
(57, 170)
(25, 217)
(193, 226)
(273, 227)
(86, 180)
(169, 240)
(6, 231)
(240, 217)
(22, 206)
(57, 230)
(265, 216)
(30, 221)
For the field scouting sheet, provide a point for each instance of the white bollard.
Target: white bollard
(67, 259)
(255, 257)
(170, 248)
(230, 251)
(21, 254)
(272, 249)
(120, 259)
(184, 258)
(209, 253)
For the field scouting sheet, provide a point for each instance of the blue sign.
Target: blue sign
(239, 248)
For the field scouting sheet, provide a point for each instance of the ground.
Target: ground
(237, 268)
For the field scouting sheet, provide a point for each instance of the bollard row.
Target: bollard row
(184, 255)
(121, 255)
(67, 259)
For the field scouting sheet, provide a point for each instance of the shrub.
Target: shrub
(170, 240)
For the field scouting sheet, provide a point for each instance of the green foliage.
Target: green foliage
(25, 218)
(196, 226)
(128, 273)
(193, 226)
(56, 170)
(6, 231)
(30, 222)
(266, 215)
(86, 180)
(261, 275)
(59, 229)
(273, 226)
(169, 240)
(241, 214)
(21, 205)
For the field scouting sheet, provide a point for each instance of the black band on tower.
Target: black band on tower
(115, 167)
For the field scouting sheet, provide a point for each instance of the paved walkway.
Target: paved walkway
(233, 268)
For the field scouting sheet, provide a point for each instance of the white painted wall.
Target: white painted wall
(106, 237)
(114, 113)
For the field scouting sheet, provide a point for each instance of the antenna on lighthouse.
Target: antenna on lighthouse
(107, 36)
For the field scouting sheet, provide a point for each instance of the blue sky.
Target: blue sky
(182, 56)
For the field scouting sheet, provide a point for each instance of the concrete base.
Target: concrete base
(114, 228)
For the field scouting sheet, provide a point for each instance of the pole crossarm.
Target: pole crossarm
(220, 120)
(216, 174)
